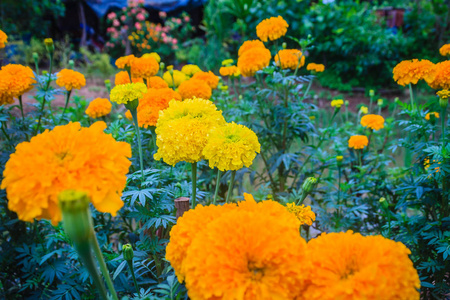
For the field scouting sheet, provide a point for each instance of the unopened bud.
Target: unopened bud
(127, 251)
(384, 202)
(162, 65)
(108, 84)
(76, 215)
(35, 57)
(380, 102)
(371, 93)
(312, 118)
(443, 102)
(396, 100)
(346, 102)
(71, 64)
(284, 45)
(339, 160)
(308, 184)
(49, 45)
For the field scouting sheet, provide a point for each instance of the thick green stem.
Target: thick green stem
(411, 97)
(65, 106)
(136, 127)
(21, 108)
(130, 265)
(194, 185)
(231, 186)
(103, 267)
(219, 173)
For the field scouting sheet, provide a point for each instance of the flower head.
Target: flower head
(68, 157)
(154, 55)
(375, 122)
(15, 80)
(144, 67)
(209, 77)
(358, 142)
(318, 68)
(178, 77)
(5, 95)
(231, 147)
(271, 29)
(411, 71)
(442, 76)
(98, 107)
(194, 88)
(70, 79)
(190, 70)
(445, 50)
(290, 59)
(227, 62)
(123, 78)
(337, 103)
(303, 213)
(3, 39)
(229, 71)
(126, 93)
(364, 110)
(125, 62)
(248, 45)
(253, 60)
(444, 94)
(435, 114)
(156, 82)
(351, 266)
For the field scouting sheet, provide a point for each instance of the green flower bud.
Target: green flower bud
(371, 93)
(380, 102)
(384, 202)
(346, 103)
(127, 252)
(284, 45)
(162, 65)
(396, 100)
(35, 57)
(443, 102)
(44, 72)
(308, 184)
(71, 64)
(108, 84)
(49, 45)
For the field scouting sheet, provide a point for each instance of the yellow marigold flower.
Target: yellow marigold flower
(236, 257)
(178, 77)
(253, 60)
(411, 71)
(190, 70)
(290, 59)
(337, 103)
(144, 67)
(312, 118)
(339, 158)
(302, 212)
(156, 82)
(444, 50)
(375, 122)
(70, 79)
(272, 28)
(442, 76)
(249, 45)
(364, 110)
(349, 266)
(358, 142)
(125, 61)
(231, 147)
(98, 107)
(17, 80)
(3, 39)
(318, 68)
(188, 226)
(68, 157)
(170, 67)
(125, 93)
(154, 55)
(229, 71)
(427, 116)
(444, 94)
(227, 62)
(194, 88)
(209, 77)
(183, 129)
(123, 78)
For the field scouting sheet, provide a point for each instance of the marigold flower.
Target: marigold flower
(125, 93)
(229, 71)
(249, 45)
(290, 59)
(124, 62)
(5, 96)
(358, 142)
(337, 103)
(375, 122)
(351, 266)
(3, 39)
(227, 62)
(411, 71)
(427, 116)
(183, 129)
(98, 107)
(445, 50)
(144, 67)
(364, 110)
(194, 88)
(231, 147)
(154, 55)
(442, 76)
(236, 257)
(178, 78)
(156, 82)
(123, 78)
(209, 77)
(190, 70)
(444, 94)
(271, 29)
(302, 212)
(15, 80)
(253, 60)
(318, 68)
(70, 79)
(68, 157)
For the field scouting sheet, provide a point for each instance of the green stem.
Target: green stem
(21, 108)
(307, 89)
(173, 81)
(40, 116)
(359, 157)
(219, 173)
(6, 134)
(194, 185)
(411, 97)
(49, 72)
(65, 106)
(339, 185)
(129, 74)
(136, 127)
(130, 265)
(370, 105)
(443, 126)
(103, 268)
(153, 130)
(230, 186)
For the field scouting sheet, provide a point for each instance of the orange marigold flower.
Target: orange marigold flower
(253, 60)
(351, 266)
(290, 59)
(68, 157)
(194, 88)
(236, 257)
(358, 142)
(156, 82)
(427, 116)
(208, 77)
(411, 71)
(125, 61)
(5, 96)
(318, 68)
(375, 122)
(271, 29)
(442, 76)
(70, 79)
(16, 81)
(3, 39)
(445, 50)
(229, 71)
(444, 94)
(303, 213)
(144, 67)
(123, 78)
(250, 44)
(188, 226)
(98, 107)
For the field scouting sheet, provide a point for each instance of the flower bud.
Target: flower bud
(308, 184)
(162, 65)
(339, 160)
(35, 57)
(49, 45)
(371, 93)
(284, 45)
(224, 87)
(443, 103)
(127, 251)
(396, 100)
(346, 103)
(380, 102)
(384, 202)
(312, 118)
(44, 72)
(108, 84)
(71, 64)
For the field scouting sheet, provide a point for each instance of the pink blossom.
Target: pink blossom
(115, 35)
(174, 41)
(112, 15)
(116, 22)
(141, 1)
(164, 35)
(129, 14)
(177, 20)
(133, 11)
(123, 18)
(186, 19)
(162, 14)
(138, 25)
(109, 29)
(140, 17)
(125, 27)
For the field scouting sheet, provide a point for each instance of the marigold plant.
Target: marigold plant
(195, 88)
(435, 114)
(229, 71)
(253, 60)
(15, 80)
(337, 103)
(271, 29)
(358, 142)
(98, 107)
(290, 59)
(126, 93)
(156, 82)
(70, 79)
(442, 76)
(375, 122)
